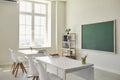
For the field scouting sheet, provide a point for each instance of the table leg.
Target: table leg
(64, 75)
(91, 74)
(87, 73)
(45, 66)
(57, 71)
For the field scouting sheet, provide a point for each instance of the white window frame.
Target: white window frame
(48, 24)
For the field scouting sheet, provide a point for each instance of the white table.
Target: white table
(69, 65)
(33, 53)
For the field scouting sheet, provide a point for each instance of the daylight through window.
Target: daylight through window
(34, 30)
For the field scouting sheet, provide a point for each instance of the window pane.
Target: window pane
(28, 29)
(22, 6)
(39, 34)
(22, 29)
(25, 19)
(22, 39)
(40, 8)
(25, 35)
(43, 8)
(39, 41)
(43, 21)
(25, 39)
(37, 20)
(28, 37)
(22, 19)
(40, 20)
(25, 6)
(28, 7)
(28, 20)
(40, 30)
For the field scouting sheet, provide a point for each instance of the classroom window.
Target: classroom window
(34, 28)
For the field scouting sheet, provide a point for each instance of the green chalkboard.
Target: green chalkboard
(98, 36)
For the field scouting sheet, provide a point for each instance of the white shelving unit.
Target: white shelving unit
(69, 45)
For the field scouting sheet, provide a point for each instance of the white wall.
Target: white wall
(90, 11)
(8, 30)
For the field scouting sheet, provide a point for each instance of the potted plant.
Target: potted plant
(67, 30)
(84, 59)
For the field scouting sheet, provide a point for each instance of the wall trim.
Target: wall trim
(108, 70)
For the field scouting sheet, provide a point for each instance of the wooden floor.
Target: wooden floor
(5, 74)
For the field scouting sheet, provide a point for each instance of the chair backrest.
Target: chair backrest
(43, 75)
(13, 56)
(32, 68)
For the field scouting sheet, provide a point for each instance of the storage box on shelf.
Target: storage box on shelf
(69, 45)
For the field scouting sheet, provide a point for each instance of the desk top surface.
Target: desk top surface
(63, 62)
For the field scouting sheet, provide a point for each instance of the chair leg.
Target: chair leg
(37, 77)
(13, 67)
(23, 67)
(33, 78)
(17, 69)
(14, 70)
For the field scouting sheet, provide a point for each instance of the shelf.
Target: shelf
(73, 57)
(72, 40)
(65, 42)
(68, 47)
(69, 44)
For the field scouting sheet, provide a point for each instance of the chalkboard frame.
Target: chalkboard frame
(114, 35)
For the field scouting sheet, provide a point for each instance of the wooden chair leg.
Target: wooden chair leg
(37, 77)
(33, 78)
(17, 69)
(13, 67)
(23, 68)
(16, 65)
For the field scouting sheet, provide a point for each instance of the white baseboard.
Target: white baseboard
(108, 70)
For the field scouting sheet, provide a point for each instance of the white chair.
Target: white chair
(44, 75)
(32, 69)
(16, 63)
